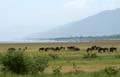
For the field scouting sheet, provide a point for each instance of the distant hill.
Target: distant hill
(104, 23)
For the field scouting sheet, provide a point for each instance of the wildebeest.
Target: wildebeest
(76, 49)
(89, 49)
(73, 48)
(92, 48)
(60, 48)
(95, 47)
(41, 49)
(103, 50)
(51, 49)
(56, 49)
(112, 49)
(11, 49)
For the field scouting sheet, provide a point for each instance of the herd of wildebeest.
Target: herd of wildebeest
(69, 48)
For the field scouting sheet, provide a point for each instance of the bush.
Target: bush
(19, 63)
(39, 64)
(16, 62)
(111, 71)
(57, 71)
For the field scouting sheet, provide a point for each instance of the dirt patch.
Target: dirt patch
(85, 68)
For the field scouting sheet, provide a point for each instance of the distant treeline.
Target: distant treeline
(78, 38)
(87, 38)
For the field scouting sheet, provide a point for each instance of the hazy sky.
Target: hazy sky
(19, 18)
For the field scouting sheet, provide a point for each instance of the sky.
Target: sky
(21, 18)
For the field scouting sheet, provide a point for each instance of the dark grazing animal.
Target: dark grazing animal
(11, 49)
(92, 48)
(51, 49)
(73, 48)
(103, 50)
(41, 49)
(89, 49)
(112, 49)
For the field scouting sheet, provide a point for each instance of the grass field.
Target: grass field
(67, 59)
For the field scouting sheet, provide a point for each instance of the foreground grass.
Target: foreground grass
(71, 74)
(66, 59)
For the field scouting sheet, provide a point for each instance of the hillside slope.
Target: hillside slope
(104, 23)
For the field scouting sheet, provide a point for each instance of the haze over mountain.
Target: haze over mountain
(104, 23)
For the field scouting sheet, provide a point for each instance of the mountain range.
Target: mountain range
(103, 23)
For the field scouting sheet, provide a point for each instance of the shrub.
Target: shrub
(57, 71)
(39, 64)
(19, 63)
(16, 62)
(111, 71)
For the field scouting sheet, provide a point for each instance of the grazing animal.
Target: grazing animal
(11, 49)
(92, 48)
(89, 49)
(73, 48)
(70, 48)
(77, 49)
(57, 49)
(61, 48)
(41, 49)
(112, 49)
(103, 50)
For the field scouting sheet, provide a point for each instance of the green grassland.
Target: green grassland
(70, 60)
